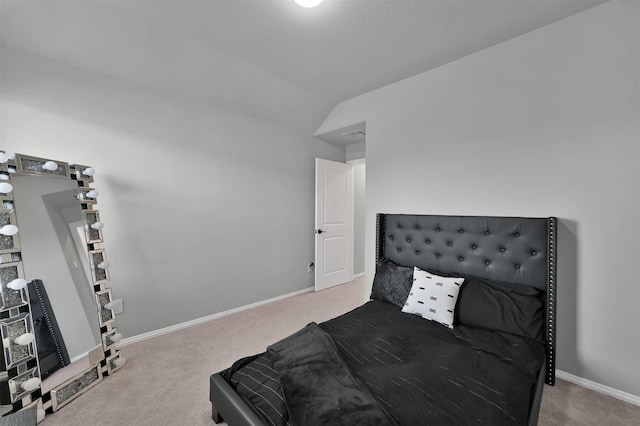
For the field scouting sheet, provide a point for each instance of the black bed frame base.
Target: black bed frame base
(237, 412)
(229, 403)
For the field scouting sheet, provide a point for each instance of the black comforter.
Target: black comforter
(377, 365)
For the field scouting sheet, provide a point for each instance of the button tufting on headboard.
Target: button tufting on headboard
(481, 241)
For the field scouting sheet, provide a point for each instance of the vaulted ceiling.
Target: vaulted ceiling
(254, 56)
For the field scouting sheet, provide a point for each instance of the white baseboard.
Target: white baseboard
(79, 357)
(361, 274)
(615, 393)
(196, 321)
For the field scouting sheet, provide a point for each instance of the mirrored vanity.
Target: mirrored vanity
(56, 315)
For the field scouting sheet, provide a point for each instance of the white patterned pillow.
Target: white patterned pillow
(433, 297)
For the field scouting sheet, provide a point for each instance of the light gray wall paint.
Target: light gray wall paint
(205, 209)
(544, 124)
(359, 214)
(356, 151)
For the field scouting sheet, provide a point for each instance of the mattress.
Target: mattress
(417, 371)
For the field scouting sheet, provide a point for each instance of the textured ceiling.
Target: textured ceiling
(230, 52)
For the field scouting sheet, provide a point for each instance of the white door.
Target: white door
(334, 224)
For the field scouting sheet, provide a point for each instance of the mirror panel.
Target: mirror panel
(75, 387)
(11, 299)
(58, 337)
(8, 243)
(12, 329)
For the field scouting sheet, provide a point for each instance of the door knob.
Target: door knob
(319, 231)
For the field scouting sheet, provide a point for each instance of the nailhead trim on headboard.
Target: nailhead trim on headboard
(551, 304)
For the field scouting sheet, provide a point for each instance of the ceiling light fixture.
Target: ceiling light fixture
(308, 3)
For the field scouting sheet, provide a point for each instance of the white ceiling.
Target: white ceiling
(252, 55)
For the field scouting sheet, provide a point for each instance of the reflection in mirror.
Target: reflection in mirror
(49, 217)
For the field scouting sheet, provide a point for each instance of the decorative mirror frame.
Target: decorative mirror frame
(19, 370)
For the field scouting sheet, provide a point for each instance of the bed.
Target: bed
(460, 329)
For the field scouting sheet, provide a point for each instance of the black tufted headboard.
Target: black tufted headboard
(512, 249)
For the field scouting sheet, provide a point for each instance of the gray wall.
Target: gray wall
(545, 124)
(356, 151)
(205, 209)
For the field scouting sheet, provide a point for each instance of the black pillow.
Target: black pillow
(499, 306)
(392, 282)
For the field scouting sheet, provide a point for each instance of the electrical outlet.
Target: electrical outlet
(117, 306)
(310, 267)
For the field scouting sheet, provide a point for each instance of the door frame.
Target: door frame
(358, 162)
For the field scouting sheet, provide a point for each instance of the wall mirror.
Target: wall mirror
(56, 316)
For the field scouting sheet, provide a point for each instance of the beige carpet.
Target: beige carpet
(166, 379)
